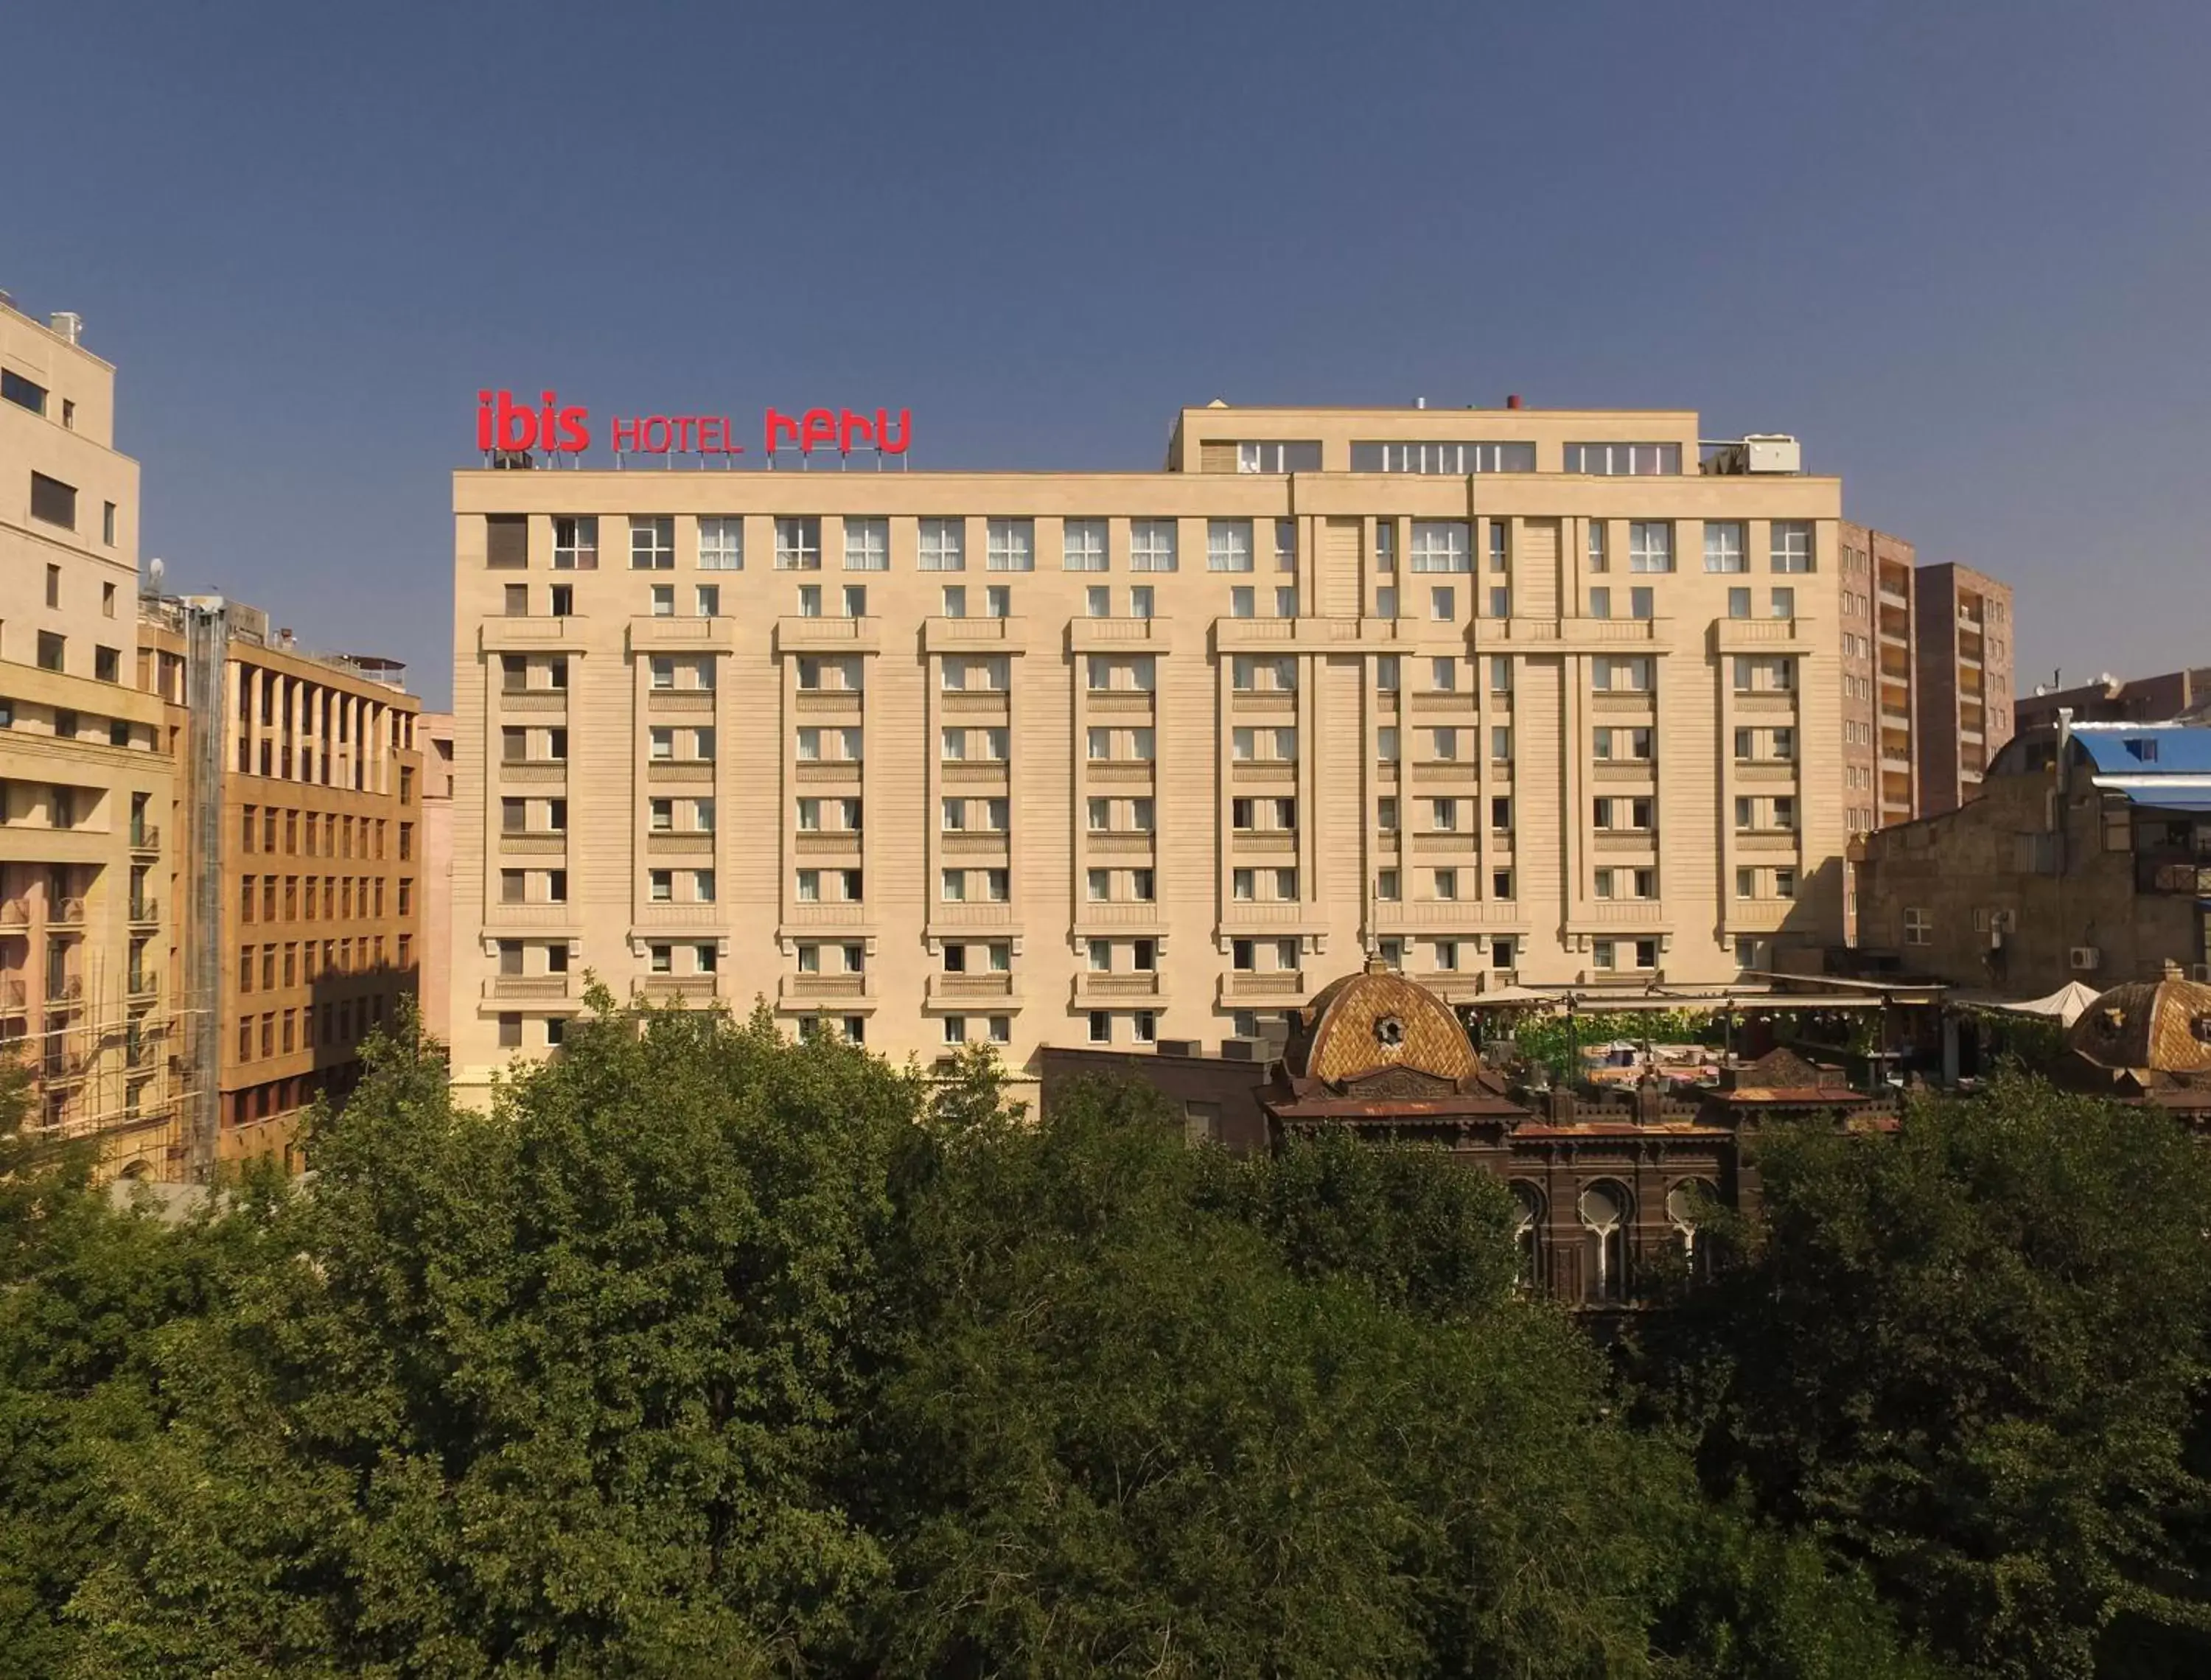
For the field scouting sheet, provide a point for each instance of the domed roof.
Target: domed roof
(2161, 1025)
(1366, 1022)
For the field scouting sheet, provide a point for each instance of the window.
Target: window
(1501, 743)
(1453, 459)
(1442, 545)
(1650, 545)
(107, 664)
(856, 600)
(563, 600)
(1791, 548)
(721, 544)
(53, 502)
(1082, 547)
(1385, 744)
(1151, 545)
(1278, 458)
(1011, 544)
(1286, 546)
(52, 648)
(1623, 460)
(1101, 1027)
(944, 545)
(997, 601)
(23, 393)
(1443, 605)
(1738, 603)
(1614, 673)
(663, 600)
(1447, 884)
(1385, 814)
(1784, 603)
(1386, 603)
(1229, 545)
(1241, 603)
(1723, 547)
(867, 545)
(1600, 603)
(1616, 743)
(506, 541)
(1599, 559)
(651, 543)
(797, 545)
(1386, 887)
(1918, 926)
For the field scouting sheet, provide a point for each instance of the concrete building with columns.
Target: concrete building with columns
(1513, 698)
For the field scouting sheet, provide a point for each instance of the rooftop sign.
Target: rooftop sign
(506, 426)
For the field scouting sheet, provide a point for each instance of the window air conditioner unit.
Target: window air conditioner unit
(2086, 959)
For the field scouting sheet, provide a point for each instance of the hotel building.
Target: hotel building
(1511, 697)
(86, 977)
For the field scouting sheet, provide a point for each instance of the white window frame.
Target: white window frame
(1152, 545)
(943, 545)
(721, 543)
(1650, 546)
(1009, 545)
(1229, 545)
(1442, 545)
(1083, 545)
(1727, 546)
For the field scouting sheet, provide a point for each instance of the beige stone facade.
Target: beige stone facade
(1515, 696)
(433, 736)
(87, 988)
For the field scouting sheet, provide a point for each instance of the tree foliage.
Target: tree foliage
(706, 1354)
(1969, 1357)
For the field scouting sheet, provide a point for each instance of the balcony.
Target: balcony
(1622, 916)
(142, 987)
(545, 844)
(1287, 916)
(996, 985)
(1140, 916)
(806, 991)
(682, 988)
(829, 635)
(12, 994)
(64, 988)
(145, 838)
(1575, 635)
(146, 912)
(533, 769)
(1461, 915)
(984, 635)
(511, 700)
(668, 634)
(1761, 636)
(65, 912)
(1094, 990)
(529, 988)
(682, 770)
(1278, 986)
(563, 635)
(1122, 635)
(976, 915)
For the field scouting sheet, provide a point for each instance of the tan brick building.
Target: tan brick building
(86, 983)
(316, 869)
(1515, 696)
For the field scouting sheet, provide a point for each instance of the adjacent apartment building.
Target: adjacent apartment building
(1512, 698)
(1927, 679)
(305, 818)
(87, 990)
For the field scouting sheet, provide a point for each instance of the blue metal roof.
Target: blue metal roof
(2147, 749)
(2169, 799)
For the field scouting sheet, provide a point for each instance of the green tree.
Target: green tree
(1966, 1357)
(565, 1388)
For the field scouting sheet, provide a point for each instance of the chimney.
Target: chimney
(1513, 401)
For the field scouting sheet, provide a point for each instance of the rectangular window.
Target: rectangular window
(53, 502)
(1600, 603)
(651, 542)
(1151, 545)
(1443, 605)
(663, 599)
(23, 393)
(1442, 545)
(943, 545)
(1229, 545)
(797, 545)
(721, 544)
(1791, 549)
(1624, 459)
(506, 541)
(1082, 547)
(867, 545)
(1011, 544)
(1918, 926)
(1451, 459)
(1723, 547)
(1650, 546)
(1613, 674)
(1784, 603)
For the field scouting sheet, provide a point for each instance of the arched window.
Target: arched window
(1685, 1206)
(1604, 1211)
(1527, 1233)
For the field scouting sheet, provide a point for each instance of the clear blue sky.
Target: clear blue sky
(1961, 248)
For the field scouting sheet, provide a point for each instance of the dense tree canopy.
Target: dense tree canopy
(705, 1353)
(1970, 1356)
